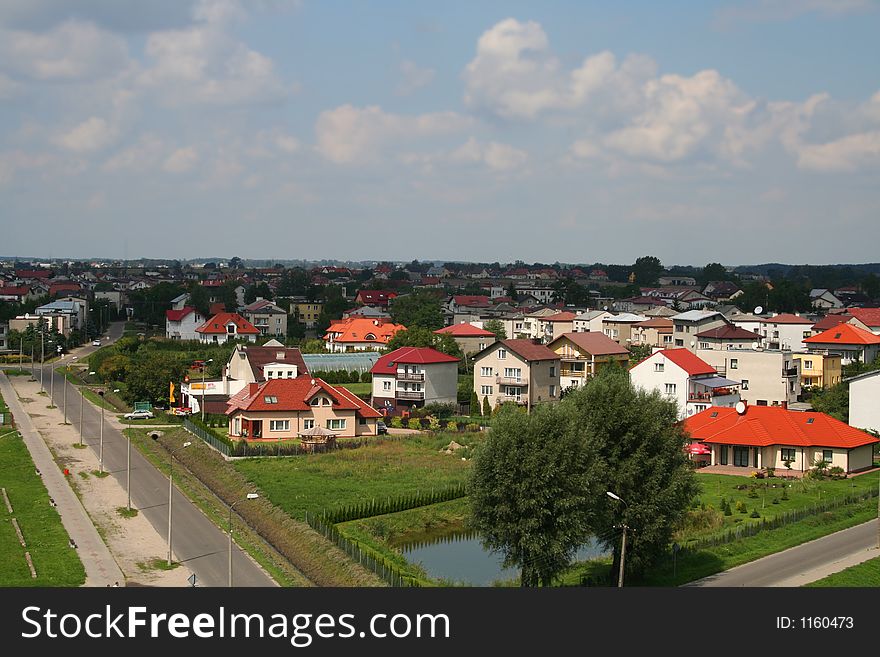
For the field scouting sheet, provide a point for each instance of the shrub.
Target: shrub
(771, 472)
(753, 493)
(785, 493)
(433, 423)
(754, 514)
(837, 472)
(473, 426)
(442, 411)
(366, 377)
(741, 507)
(451, 426)
(487, 409)
(397, 422)
(414, 423)
(725, 507)
(775, 500)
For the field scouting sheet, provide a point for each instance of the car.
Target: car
(139, 415)
(96, 343)
(381, 428)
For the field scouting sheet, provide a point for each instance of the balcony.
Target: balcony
(708, 395)
(410, 394)
(511, 381)
(516, 399)
(410, 376)
(791, 371)
(569, 372)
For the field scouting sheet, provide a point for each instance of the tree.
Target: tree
(511, 292)
(639, 352)
(150, 373)
(496, 326)
(871, 286)
(423, 337)
(487, 407)
(313, 347)
(228, 296)
(200, 299)
(475, 403)
(647, 270)
(833, 401)
(530, 490)
(419, 309)
(261, 289)
(715, 271)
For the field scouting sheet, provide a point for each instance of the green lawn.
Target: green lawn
(865, 574)
(358, 388)
(379, 471)
(56, 563)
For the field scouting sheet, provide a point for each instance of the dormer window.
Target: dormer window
(230, 328)
(270, 399)
(315, 402)
(279, 355)
(325, 401)
(370, 336)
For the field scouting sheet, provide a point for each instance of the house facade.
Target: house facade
(819, 370)
(851, 343)
(684, 378)
(590, 321)
(468, 337)
(653, 332)
(864, 401)
(786, 331)
(182, 324)
(583, 355)
(727, 337)
(686, 325)
(767, 378)
(518, 371)
(267, 317)
(619, 327)
(227, 326)
(755, 437)
(414, 377)
(358, 334)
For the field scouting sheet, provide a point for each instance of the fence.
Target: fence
(214, 441)
(753, 528)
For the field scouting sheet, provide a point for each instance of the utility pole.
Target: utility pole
(622, 557)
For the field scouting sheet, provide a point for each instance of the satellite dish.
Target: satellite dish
(759, 310)
(313, 382)
(740, 408)
(693, 342)
(755, 345)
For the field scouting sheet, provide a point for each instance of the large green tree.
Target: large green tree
(496, 326)
(423, 337)
(647, 270)
(150, 373)
(419, 309)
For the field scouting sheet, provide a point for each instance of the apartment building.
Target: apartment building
(786, 331)
(414, 377)
(619, 327)
(653, 332)
(819, 370)
(583, 355)
(518, 371)
(686, 325)
(767, 377)
(590, 321)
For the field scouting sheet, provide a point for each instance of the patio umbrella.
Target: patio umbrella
(317, 431)
(698, 448)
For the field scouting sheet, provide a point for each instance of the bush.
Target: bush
(415, 423)
(433, 423)
(837, 472)
(753, 493)
(785, 493)
(442, 411)
(775, 500)
(366, 377)
(397, 422)
(451, 426)
(754, 514)
(473, 426)
(741, 507)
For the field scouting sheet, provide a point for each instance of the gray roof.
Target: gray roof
(696, 315)
(626, 317)
(59, 306)
(590, 315)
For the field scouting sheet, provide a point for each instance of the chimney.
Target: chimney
(252, 389)
(785, 405)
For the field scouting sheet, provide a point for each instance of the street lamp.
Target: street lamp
(250, 496)
(204, 367)
(82, 398)
(623, 543)
(101, 457)
(52, 377)
(155, 436)
(72, 358)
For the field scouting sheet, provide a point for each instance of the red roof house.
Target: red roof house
(227, 326)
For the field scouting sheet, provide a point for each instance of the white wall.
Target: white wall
(645, 376)
(864, 403)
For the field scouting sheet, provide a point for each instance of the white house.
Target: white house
(590, 321)
(681, 376)
(182, 324)
(786, 331)
(414, 376)
(767, 377)
(227, 326)
(864, 401)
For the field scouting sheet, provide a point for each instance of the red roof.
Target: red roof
(177, 315)
(787, 318)
(728, 332)
(762, 426)
(294, 395)
(830, 321)
(20, 291)
(867, 316)
(387, 364)
(687, 361)
(471, 300)
(259, 357)
(357, 329)
(219, 322)
(465, 330)
(594, 343)
(375, 297)
(560, 317)
(33, 273)
(55, 288)
(526, 349)
(844, 334)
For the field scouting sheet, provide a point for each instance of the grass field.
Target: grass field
(56, 563)
(865, 574)
(358, 388)
(380, 471)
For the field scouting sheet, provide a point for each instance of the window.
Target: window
(704, 345)
(308, 424)
(807, 334)
(679, 343)
(512, 372)
(745, 384)
(279, 425)
(553, 370)
(808, 364)
(485, 371)
(670, 388)
(482, 346)
(667, 339)
(552, 391)
(386, 385)
(658, 367)
(486, 390)
(828, 455)
(761, 402)
(336, 424)
(788, 454)
(502, 354)
(325, 401)
(714, 414)
(270, 399)
(315, 402)
(362, 421)
(734, 363)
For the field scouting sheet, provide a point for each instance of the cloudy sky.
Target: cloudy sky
(739, 131)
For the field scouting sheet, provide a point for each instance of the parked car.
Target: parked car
(381, 428)
(139, 415)
(96, 343)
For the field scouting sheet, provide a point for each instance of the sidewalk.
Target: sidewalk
(101, 568)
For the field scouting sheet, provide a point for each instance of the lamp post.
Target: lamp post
(155, 436)
(204, 367)
(623, 542)
(82, 399)
(42, 354)
(128, 464)
(67, 371)
(101, 456)
(52, 379)
(250, 496)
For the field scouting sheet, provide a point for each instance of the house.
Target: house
(681, 281)
(269, 318)
(590, 321)
(540, 293)
(307, 312)
(375, 298)
(767, 378)
(766, 437)
(786, 331)
(469, 338)
(113, 297)
(4, 336)
(722, 290)
(824, 299)
(598, 275)
(747, 321)
(60, 321)
(850, 342)
(660, 311)
(819, 370)
(356, 334)
(686, 325)
(686, 379)
(252, 364)
(180, 301)
(284, 409)
(366, 312)
(864, 392)
(518, 371)
(830, 321)
(414, 377)
(727, 337)
(75, 309)
(227, 326)
(636, 304)
(555, 325)
(182, 324)
(653, 332)
(16, 293)
(869, 318)
(464, 302)
(583, 355)
(619, 327)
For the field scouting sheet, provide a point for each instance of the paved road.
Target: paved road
(197, 541)
(805, 563)
(101, 568)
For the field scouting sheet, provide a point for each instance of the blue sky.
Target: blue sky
(739, 131)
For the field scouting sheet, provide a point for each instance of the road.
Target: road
(805, 563)
(196, 540)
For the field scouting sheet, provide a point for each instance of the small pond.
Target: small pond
(460, 557)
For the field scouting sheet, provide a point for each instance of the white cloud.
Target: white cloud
(92, 134)
(9, 88)
(145, 154)
(413, 78)
(348, 134)
(181, 160)
(71, 51)
(287, 144)
(496, 156)
(845, 154)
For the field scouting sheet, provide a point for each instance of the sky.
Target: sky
(733, 131)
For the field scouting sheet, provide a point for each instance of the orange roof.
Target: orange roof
(360, 329)
(593, 343)
(786, 318)
(219, 322)
(762, 426)
(294, 395)
(564, 316)
(867, 316)
(687, 361)
(844, 334)
(465, 330)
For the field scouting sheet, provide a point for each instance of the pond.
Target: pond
(460, 557)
